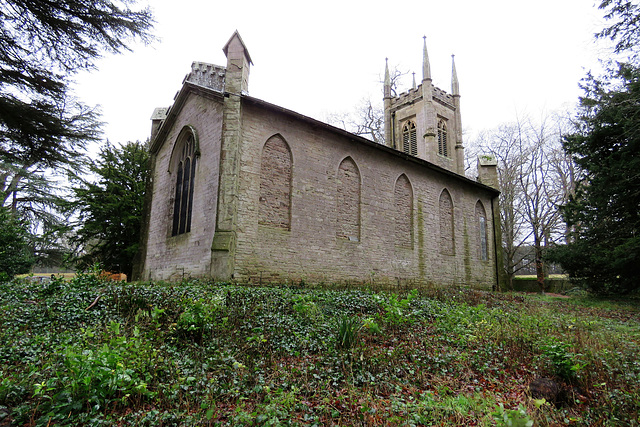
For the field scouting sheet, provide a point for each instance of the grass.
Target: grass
(533, 276)
(202, 353)
(67, 276)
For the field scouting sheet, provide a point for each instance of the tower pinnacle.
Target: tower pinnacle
(426, 67)
(455, 87)
(387, 79)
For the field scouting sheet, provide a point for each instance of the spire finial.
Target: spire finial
(426, 67)
(455, 87)
(387, 79)
(414, 81)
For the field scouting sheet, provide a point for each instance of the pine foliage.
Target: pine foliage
(604, 214)
(43, 128)
(110, 208)
(42, 44)
(15, 254)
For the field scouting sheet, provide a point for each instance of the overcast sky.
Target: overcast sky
(513, 58)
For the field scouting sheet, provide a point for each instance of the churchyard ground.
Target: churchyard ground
(89, 351)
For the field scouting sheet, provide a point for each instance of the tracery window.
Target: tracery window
(348, 198)
(481, 222)
(442, 138)
(446, 223)
(275, 184)
(403, 198)
(185, 166)
(409, 139)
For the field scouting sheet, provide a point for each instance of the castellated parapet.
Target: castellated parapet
(207, 75)
(414, 95)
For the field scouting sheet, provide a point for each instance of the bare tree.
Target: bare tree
(536, 178)
(367, 118)
(504, 144)
(565, 171)
(395, 76)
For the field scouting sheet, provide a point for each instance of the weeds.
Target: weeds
(199, 353)
(512, 418)
(566, 364)
(349, 328)
(97, 377)
(396, 309)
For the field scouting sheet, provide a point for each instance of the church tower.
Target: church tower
(425, 121)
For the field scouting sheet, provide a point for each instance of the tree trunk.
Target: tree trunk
(537, 244)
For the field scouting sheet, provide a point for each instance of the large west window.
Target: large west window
(481, 221)
(184, 165)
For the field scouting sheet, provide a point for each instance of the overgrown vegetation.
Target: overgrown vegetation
(203, 353)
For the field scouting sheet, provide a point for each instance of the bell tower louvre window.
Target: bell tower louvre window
(442, 138)
(409, 141)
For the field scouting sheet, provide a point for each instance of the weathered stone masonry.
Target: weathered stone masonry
(279, 196)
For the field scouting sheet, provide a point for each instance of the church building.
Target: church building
(245, 190)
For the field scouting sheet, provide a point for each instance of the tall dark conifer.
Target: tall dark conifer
(109, 208)
(42, 44)
(43, 129)
(604, 215)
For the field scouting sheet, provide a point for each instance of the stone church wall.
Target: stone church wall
(188, 254)
(328, 237)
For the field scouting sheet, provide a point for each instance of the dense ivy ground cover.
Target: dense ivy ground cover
(201, 353)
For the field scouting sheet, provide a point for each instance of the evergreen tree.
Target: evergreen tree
(43, 129)
(110, 209)
(15, 254)
(604, 214)
(42, 44)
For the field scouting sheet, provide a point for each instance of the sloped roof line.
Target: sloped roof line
(198, 89)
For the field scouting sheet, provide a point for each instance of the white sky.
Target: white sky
(513, 57)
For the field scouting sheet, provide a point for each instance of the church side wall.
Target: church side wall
(325, 169)
(188, 254)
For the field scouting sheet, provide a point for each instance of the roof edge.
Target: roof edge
(370, 143)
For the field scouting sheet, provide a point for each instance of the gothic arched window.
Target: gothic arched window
(409, 140)
(403, 201)
(184, 164)
(348, 195)
(442, 138)
(275, 184)
(481, 222)
(446, 223)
